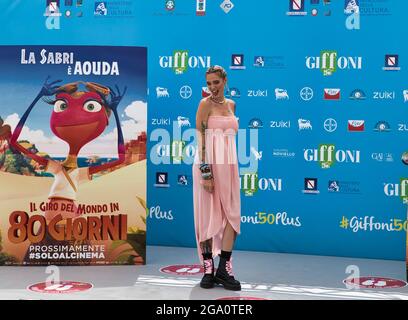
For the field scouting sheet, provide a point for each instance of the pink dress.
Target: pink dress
(213, 210)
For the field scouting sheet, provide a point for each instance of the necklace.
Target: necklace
(216, 101)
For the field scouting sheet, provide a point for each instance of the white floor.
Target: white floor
(262, 275)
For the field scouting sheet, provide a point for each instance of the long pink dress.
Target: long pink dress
(213, 210)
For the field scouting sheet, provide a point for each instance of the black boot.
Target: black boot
(224, 275)
(207, 281)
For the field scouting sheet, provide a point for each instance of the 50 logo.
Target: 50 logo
(279, 218)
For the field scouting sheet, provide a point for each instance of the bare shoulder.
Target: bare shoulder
(232, 104)
(204, 106)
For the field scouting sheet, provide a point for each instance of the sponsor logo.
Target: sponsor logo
(304, 124)
(283, 153)
(162, 180)
(100, 8)
(186, 92)
(310, 186)
(382, 156)
(327, 155)
(170, 5)
(384, 95)
(296, 8)
(344, 187)
(255, 123)
(405, 94)
(180, 61)
(161, 122)
(391, 62)
(357, 94)
(306, 93)
(200, 8)
(382, 126)
(352, 11)
(257, 93)
(331, 94)
(233, 93)
(183, 180)
(271, 62)
(251, 183)
(280, 124)
(330, 125)
(281, 94)
(355, 125)
(237, 62)
(328, 62)
(205, 92)
(183, 122)
(227, 6)
(162, 92)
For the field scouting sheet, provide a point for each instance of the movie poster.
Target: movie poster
(73, 155)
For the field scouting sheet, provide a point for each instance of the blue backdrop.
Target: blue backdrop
(319, 87)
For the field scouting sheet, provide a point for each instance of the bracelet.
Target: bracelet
(206, 176)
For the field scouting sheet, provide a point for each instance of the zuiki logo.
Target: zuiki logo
(391, 62)
(384, 95)
(161, 122)
(251, 183)
(352, 11)
(162, 92)
(397, 190)
(280, 124)
(281, 94)
(258, 93)
(304, 124)
(328, 62)
(327, 155)
(180, 61)
(357, 94)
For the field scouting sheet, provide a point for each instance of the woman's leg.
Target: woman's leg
(208, 279)
(224, 273)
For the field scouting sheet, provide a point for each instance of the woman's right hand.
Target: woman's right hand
(208, 185)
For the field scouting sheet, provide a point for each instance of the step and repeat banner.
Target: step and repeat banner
(322, 101)
(321, 94)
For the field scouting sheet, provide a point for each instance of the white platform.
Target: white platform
(263, 275)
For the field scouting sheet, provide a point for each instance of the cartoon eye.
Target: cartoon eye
(92, 106)
(60, 106)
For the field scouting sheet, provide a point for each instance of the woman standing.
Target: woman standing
(217, 206)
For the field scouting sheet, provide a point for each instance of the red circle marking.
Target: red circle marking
(60, 287)
(183, 269)
(375, 282)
